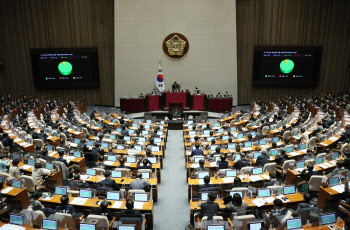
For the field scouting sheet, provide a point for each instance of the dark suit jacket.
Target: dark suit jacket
(130, 213)
(222, 164)
(98, 211)
(77, 184)
(308, 175)
(155, 135)
(110, 183)
(47, 158)
(210, 209)
(281, 159)
(197, 152)
(80, 146)
(62, 160)
(241, 163)
(262, 160)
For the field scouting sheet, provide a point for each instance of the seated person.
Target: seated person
(155, 134)
(100, 163)
(236, 205)
(81, 144)
(3, 164)
(131, 151)
(149, 153)
(308, 203)
(120, 140)
(206, 184)
(216, 152)
(151, 143)
(108, 182)
(201, 167)
(36, 204)
(222, 164)
(197, 151)
(278, 212)
(309, 173)
(38, 173)
(129, 212)
(139, 183)
(77, 182)
(15, 171)
(237, 183)
(144, 163)
(243, 162)
(273, 181)
(44, 156)
(37, 152)
(210, 208)
(124, 131)
(338, 169)
(102, 210)
(122, 163)
(65, 207)
(263, 158)
(281, 157)
(60, 158)
(175, 87)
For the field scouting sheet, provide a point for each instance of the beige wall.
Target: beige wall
(141, 26)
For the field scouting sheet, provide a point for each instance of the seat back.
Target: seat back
(29, 183)
(312, 142)
(222, 172)
(125, 171)
(265, 130)
(100, 171)
(343, 148)
(310, 162)
(38, 142)
(100, 221)
(321, 155)
(131, 192)
(247, 170)
(274, 189)
(270, 167)
(65, 220)
(289, 164)
(63, 136)
(244, 190)
(315, 182)
(286, 135)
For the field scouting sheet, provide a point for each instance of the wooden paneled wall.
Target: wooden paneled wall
(26, 24)
(294, 22)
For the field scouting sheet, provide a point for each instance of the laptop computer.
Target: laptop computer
(256, 155)
(289, 149)
(274, 152)
(49, 166)
(49, 224)
(262, 142)
(302, 146)
(216, 227)
(334, 181)
(87, 226)
(327, 219)
(264, 193)
(319, 160)
(258, 225)
(145, 175)
(77, 154)
(16, 219)
(275, 139)
(231, 173)
(83, 193)
(231, 146)
(113, 195)
(201, 175)
(248, 144)
(294, 223)
(204, 196)
(104, 145)
(91, 172)
(76, 141)
(287, 190)
(111, 158)
(131, 159)
(141, 197)
(335, 156)
(17, 184)
(257, 171)
(300, 164)
(116, 174)
(240, 135)
(61, 191)
(31, 162)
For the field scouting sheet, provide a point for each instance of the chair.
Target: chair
(29, 137)
(222, 172)
(63, 137)
(265, 130)
(38, 142)
(100, 221)
(315, 182)
(65, 220)
(286, 135)
(274, 189)
(270, 167)
(29, 184)
(321, 155)
(240, 222)
(146, 171)
(247, 170)
(287, 146)
(344, 148)
(312, 142)
(1, 148)
(289, 164)
(131, 192)
(310, 161)
(244, 190)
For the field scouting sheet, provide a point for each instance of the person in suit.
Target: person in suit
(259, 135)
(338, 169)
(154, 134)
(226, 94)
(37, 152)
(151, 142)
(102, 210)
(146, 164)
(304, 138)
(38, 173)
(44, 156)
(307, 204)
(197, 151)
(65, 207)
(243, 162)
(122, 163)
(108, 182)
(309, 173)
(237, 182)
(81, 144)
(201, 167)
(139, 183)
(60, 158)
(206, 184)
(129, 212)
(222, 164)
(263, 158)
(100, 164)
(210, 208)
(273, 181)
(278, 211)
(77, 182)
(14, 171)
(42, 135)
(120, 140)
(236, 205)
(175, 87)
(124, 131)
(281, 157)
(96, 150)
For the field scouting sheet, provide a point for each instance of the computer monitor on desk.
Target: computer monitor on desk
(334, 181)
(113, 196)
(83, 193)
(216, 227)
(116, 174)
(327, 219)
(16, 219)
(141, 197)
(264, 193)
(87, 226)
(126, 227)
(61, 191)
(201, 175)
(294, 224)
(49, 224)
(287, 190)
(257, 225)
(231, 173)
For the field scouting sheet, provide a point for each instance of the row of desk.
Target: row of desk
(159, 102)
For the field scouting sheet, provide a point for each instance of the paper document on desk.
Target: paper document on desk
(339, 188)
(85, 177)
(228, 180)
(333, 138)
(258, 202)
(267, 177)
(323, 166)
(200, 181)
(247, 149)
(281, 197)
(127, 164)
(324, 144)
(108, 162)
(188, 152)
(12, 227)
(241, 139)
(255, 178)
(195, 165)
(213, 164)
(6, 190)
(328, 164)
(293, 154)
(265, 146)
(69, 158)
(108, 140)
(117, 204)
(138, 205)
(79, 201)
(269, 199)
(17, 139)
(299, 169)
(25, 167)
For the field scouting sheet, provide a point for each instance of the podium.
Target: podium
(219, 104)
(173, 97)
(152, 102)
(198, 102)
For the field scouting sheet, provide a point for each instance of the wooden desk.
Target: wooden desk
(18, 194)
(77, 160)
(27, 147)
(327, 195)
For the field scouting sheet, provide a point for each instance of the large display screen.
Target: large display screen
(65, 68)
(287, 66)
